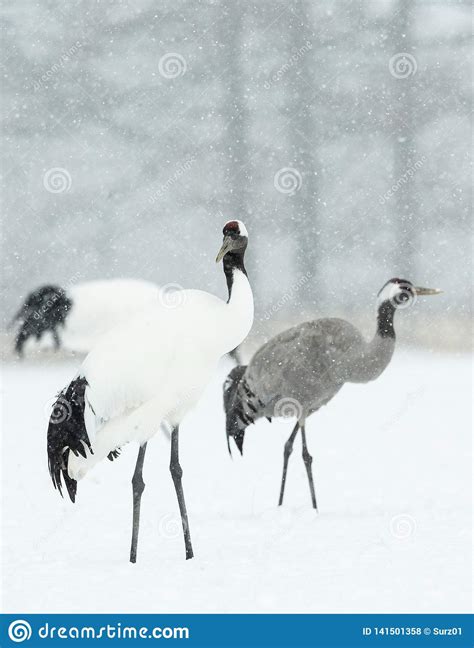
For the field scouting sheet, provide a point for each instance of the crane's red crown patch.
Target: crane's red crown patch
(232, 225)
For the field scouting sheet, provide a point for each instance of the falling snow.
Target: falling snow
(132, 132)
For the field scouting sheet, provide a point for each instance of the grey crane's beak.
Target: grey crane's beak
(227, 246)
(426, 291)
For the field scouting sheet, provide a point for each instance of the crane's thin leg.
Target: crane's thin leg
(176, 474)
(57, 341)
(138, 486)
(308, 460)
(20, 340)
(286, 455)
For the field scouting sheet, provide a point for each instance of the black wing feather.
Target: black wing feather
(67, 433)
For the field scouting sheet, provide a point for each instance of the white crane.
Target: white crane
(301, 369)
(74, 318)
(150, 369)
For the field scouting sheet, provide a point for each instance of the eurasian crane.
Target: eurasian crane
(301, 369)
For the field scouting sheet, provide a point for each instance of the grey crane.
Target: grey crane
(301, 369)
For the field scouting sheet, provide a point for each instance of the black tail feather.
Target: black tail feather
(241, 406)
(231, 384)
(67, 433)
(239, 440)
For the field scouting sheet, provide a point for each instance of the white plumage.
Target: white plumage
(156, 366)
(147, 370)
(75, 318)
(98, 306)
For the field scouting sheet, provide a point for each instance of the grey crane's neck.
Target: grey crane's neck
(385, 316)
(379, 351)
(233, 262)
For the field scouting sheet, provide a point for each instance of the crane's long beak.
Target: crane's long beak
(227, 245)
(426, 291)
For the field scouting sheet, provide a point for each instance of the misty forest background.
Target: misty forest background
(339, 132)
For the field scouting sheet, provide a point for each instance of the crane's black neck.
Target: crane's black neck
(233, 261)
(385, 316)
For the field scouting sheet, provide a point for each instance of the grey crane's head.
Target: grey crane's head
(235, 239)
(401, 293)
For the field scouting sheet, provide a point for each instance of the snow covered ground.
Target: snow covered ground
(392, 465)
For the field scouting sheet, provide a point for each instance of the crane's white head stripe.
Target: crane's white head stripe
(399, 292)
(388, 292)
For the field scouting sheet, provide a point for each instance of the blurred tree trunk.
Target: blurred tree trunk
(235, 145)
(304, 139)
(405, 206)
